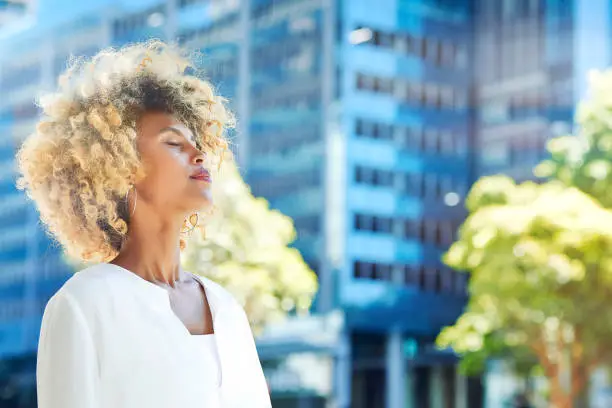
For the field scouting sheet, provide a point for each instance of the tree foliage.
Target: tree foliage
(540, 259)
(584, 160)
(247, 250)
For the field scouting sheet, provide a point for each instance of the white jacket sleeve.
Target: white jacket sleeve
(67, 366)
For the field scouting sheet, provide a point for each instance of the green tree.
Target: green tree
(246, 249)
(584, 160)
(540, 260)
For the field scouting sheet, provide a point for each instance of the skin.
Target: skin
(165, 197)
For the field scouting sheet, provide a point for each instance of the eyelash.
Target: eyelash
(173, 144)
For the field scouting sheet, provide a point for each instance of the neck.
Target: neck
(152, 248)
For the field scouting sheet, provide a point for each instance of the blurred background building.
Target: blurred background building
(366, 123)
(531, 63)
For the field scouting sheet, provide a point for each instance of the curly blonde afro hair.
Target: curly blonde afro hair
(82, 160)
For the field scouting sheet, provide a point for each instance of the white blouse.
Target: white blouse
(109, 339)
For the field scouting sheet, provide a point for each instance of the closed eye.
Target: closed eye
(173, 144)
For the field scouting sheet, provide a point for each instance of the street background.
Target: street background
(377, 128)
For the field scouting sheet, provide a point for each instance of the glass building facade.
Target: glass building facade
(353, 120)
(366, 124)
(532, 58)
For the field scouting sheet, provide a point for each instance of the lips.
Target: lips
(201, 175)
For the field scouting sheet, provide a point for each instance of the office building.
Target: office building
(354, 120)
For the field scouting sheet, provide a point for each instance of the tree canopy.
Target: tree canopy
(246, 249)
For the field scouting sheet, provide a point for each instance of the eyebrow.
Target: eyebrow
(172, 129)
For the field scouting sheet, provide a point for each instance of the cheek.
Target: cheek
(166, 171)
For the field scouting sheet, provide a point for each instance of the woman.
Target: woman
(119, 168)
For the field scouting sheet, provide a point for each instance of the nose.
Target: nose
(199, 157)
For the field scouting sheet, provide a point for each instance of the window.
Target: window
(363, 270)
(429, 227)
(449, 51)
(376, 37)
(417, 136)
(410, 274)
(401, 44)
(383, 225)
(383, 85)
(378, 224)
(422, 231)
(383, 39)
(439, 54)
(438, 237)
(359, 127)
(369, 270)
(363, 175)
(445, 143)
(447, 280)
(431, 47)
(374, 130)
(431, 181)
(400, 135)
(364, 222)
(430, 278)
(422, 277)
(363, 81)
(431, 140)
(185, 3)
(460, 100)
(461, 283)
(415, 93)
(418, 47)
(437, 278)
(431, 95)
(446, 186)
(382, 272)
(447, 97)
(385, 131)
(411, 229)
(414, 184)
(383, 178)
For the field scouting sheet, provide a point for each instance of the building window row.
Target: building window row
(283, 139)
(186, 3)
(153, 17)
(25, 111)
(12, 310)
(278, 10)
(19, 77)
(373, 223)
(222, 70)
(219, 31)
(287, 183)
(434, 279)
(374, 177)
(425, 95)
(441, 53)
(309, 99)
(423, 185)
(423, 139)
(438, 233)
(286, 52)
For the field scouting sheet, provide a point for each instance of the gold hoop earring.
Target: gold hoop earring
(127, 201)
(193, 223)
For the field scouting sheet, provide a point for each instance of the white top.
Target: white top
(207, 346)
(109, 339)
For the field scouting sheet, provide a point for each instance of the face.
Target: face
(176, 177)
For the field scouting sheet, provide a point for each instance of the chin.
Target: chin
(200, 204)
